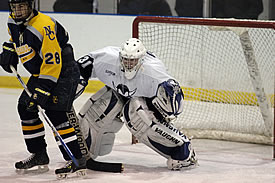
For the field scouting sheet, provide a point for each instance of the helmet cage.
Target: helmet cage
(131, 57)
(130, 66)
(20, 10)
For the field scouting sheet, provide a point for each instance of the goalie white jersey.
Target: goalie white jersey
(107, 68)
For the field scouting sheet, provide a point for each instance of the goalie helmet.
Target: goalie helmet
(20, 10)
(131, 56)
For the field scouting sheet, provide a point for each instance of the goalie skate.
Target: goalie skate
(71, 169)
(36, 163)
(187, 164)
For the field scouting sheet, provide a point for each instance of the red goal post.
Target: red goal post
(226, 65)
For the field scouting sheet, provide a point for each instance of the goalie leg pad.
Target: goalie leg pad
(102, 141)
(162, 137)
(99, 121)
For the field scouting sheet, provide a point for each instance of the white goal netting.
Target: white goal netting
(226, 70)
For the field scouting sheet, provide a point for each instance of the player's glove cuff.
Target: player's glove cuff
(39, 97)
(8, 57)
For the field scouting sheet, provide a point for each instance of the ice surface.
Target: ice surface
(220, 161)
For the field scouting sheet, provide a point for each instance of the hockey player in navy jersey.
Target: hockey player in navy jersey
(41, 44)
(139, 93)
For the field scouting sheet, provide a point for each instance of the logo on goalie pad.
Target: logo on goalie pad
(170, 127)
(170, 132)
(73, 120)
(167, 136)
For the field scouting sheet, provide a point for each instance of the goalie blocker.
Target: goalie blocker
(99, 122)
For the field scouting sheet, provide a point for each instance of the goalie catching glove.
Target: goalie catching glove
(169, 99)
(8, 57)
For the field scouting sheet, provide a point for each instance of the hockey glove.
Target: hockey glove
(40, 95)
(8, 57)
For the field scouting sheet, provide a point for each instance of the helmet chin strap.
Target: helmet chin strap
(25, 21)
(29, 17)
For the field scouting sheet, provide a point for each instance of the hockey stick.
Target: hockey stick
(45, 117)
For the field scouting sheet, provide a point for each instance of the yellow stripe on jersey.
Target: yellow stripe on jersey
(29, 128)
(67, 131)
(28, 56)
(50, 50)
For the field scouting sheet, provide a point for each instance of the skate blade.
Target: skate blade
(62, 176)
(78, 173)
(34, 170)
(81, 173)
(184, 168)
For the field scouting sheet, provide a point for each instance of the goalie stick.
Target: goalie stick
(104, 166)
(91, 164)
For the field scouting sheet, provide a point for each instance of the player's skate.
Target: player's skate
(190, 162)
(71, 168)
(40, 160)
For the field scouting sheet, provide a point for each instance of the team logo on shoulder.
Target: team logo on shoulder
(124, 90)
(49, 32)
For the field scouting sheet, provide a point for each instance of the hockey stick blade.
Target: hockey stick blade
(104, 166)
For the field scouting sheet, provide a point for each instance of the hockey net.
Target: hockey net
(226, 70)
